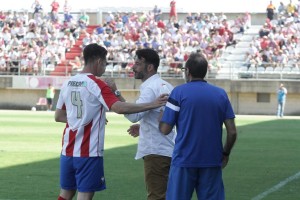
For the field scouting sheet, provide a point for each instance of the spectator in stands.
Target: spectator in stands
(76, 64)
(3, 65)
(67, 9)
(264, 31)
(37, 8)
(281, 59)
(14, 57)
(24, 64)
(271, 11)
(281, 99)
(281, 9)
(137, 31)
(83, 20)
(156, 13)
(54, 11)
(291, 8)
(264, 44)
(173, 12)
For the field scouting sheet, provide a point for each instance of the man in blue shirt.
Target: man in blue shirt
(281, 97)
(198, 110)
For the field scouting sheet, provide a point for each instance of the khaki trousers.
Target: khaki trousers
(156, 169)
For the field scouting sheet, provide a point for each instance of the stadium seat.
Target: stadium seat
(286, 70)
(277, 70)
(295, 70)
(260, 70)
(42, 103)
(269, 70)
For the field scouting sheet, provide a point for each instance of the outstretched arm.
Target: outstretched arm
(128, 108)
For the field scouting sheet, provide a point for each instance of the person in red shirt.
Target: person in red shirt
(54, 10)
(173, 13)
(161, 24)
(264, 44)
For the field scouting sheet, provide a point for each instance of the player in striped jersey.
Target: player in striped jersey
(82, 104)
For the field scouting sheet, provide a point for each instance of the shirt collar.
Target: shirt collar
(149, 80)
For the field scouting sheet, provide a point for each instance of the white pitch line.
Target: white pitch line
(277, 187)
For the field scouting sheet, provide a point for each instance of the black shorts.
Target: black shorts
(49, 101)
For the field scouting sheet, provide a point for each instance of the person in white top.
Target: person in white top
(155, 148)
(82, 104)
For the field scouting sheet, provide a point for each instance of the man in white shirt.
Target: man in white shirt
(155, 148)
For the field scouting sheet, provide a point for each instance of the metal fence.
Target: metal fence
(117, 69)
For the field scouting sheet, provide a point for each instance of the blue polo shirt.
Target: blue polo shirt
(198, 110)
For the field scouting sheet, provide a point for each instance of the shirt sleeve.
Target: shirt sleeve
(229, 114)
(108, 96)
(60, 102)
(172, 109)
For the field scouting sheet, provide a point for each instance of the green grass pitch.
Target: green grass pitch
(266, 154)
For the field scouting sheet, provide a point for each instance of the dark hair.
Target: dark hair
(197, 65)
(93, 51)
(150, 56)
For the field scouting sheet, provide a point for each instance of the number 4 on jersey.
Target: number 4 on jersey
(76, 101)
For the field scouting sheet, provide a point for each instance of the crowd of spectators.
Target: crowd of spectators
(33, 43)
(278, 41)
(39, 42)
(123, 33)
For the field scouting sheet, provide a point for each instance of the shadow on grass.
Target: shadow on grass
(265, 153)
(40, 180)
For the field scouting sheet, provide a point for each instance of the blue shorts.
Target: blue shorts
(82, 174)
(207, 182)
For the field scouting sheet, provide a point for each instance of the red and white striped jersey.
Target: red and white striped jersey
(86, 100)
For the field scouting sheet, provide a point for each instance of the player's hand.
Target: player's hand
(225, 161)
(134, 130)
(162, 99)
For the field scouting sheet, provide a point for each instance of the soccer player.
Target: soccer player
(82, 104)
(199, 110)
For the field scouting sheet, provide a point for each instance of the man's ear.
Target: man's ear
(187, 71)
(150, 67)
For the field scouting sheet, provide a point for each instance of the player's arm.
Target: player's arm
(61, 115)
(165, 128)
(147, 95)
(230, 140)
(128, 108)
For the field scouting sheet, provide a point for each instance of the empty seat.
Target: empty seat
(260, 69)
(42, 103)
(295, 70)
(269, 70)
(286, 70)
